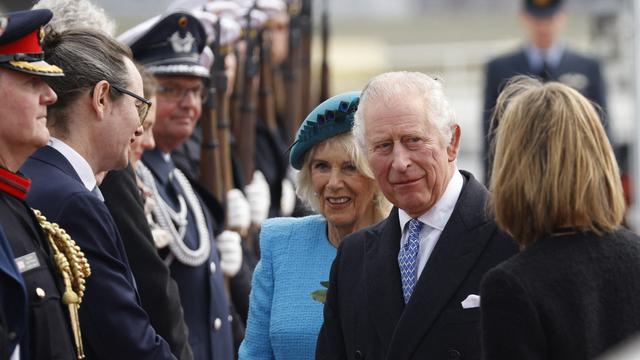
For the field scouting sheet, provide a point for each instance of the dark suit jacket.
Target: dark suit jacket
(13, 301)
(49, 332)
(114, 325)
(565, 297)
(573, 68)
(365, 316)
(158, 291)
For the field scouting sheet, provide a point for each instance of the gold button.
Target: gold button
(40, 293)
(217, 324)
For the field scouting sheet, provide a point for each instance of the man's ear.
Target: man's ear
(454, 143)
(100, 99)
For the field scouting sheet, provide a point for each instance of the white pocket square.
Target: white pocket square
(472, 301)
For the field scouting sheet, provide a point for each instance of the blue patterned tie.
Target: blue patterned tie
(408, 259)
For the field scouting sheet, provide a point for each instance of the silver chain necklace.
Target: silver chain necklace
(175, 222)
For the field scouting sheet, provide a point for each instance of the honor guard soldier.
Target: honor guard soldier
(52, 266)
(170, 47)
(545, 56)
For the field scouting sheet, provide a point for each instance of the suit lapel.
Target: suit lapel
(382, 274)
(455, 254)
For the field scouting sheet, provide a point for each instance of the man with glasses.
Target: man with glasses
(169, 47)
(98, 114)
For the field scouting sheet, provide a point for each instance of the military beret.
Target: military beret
(169, 45)
(21, 35)
(542, 8)
(333, 117)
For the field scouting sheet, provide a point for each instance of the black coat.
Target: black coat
(13, 301)
(158, 291)
(565, 297)
(49, 332)
(365, 316)
(581, 72)
(114, 325)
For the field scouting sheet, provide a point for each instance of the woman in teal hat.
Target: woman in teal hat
(296, 253)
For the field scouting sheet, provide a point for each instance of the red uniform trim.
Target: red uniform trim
(28, 44)
(14, 184)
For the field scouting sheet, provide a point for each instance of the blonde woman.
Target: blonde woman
(570, 292)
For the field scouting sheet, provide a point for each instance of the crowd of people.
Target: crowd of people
(148, 204)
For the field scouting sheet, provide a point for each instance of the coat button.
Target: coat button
(12, 335)
(40, 293)
(217, 324)
(359, 355)
(454, 354)
(212, 267)
(230, 318)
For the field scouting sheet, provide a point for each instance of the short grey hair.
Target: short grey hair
(87, 56)
(348, 144)
(73, 14)
(391, 85)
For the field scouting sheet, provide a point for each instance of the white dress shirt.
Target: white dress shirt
(434, 220)
(79, 164)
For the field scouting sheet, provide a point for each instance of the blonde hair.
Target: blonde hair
(347, 142)
(554, 166)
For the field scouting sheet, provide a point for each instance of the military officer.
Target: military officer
(546, 56)
(170, 46)
(23, 115)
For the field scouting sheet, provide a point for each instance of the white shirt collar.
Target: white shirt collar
(80, 165)
(166, 157)
(438, 216)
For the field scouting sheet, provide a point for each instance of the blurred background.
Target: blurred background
(453, 40)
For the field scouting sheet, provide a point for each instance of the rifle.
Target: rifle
(291, 73)
(210, 165)
(306, 37)
(267, 101)
(219, 79)
(324, 73)
(245, 129)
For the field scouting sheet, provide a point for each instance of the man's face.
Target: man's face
(543, 32)
(23, 114)
(407, 155)
(125, 123)
(178, 111)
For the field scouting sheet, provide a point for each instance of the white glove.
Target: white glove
(288, 198)
(230, 252)
(259, 198)
(238, 210)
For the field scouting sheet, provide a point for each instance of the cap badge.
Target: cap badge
(182, 44)
(41, 35)
(4, 21)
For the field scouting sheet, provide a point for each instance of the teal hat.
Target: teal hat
(334, 116)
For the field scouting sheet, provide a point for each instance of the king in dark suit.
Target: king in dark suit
(407, 288)
(546, 57)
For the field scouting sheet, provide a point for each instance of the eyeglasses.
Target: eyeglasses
(142, 104)
(176, 94)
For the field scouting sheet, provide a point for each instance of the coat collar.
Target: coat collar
(457, 250)
(156, 162)
(53, 157)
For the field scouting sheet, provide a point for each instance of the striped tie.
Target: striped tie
(408, 259)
